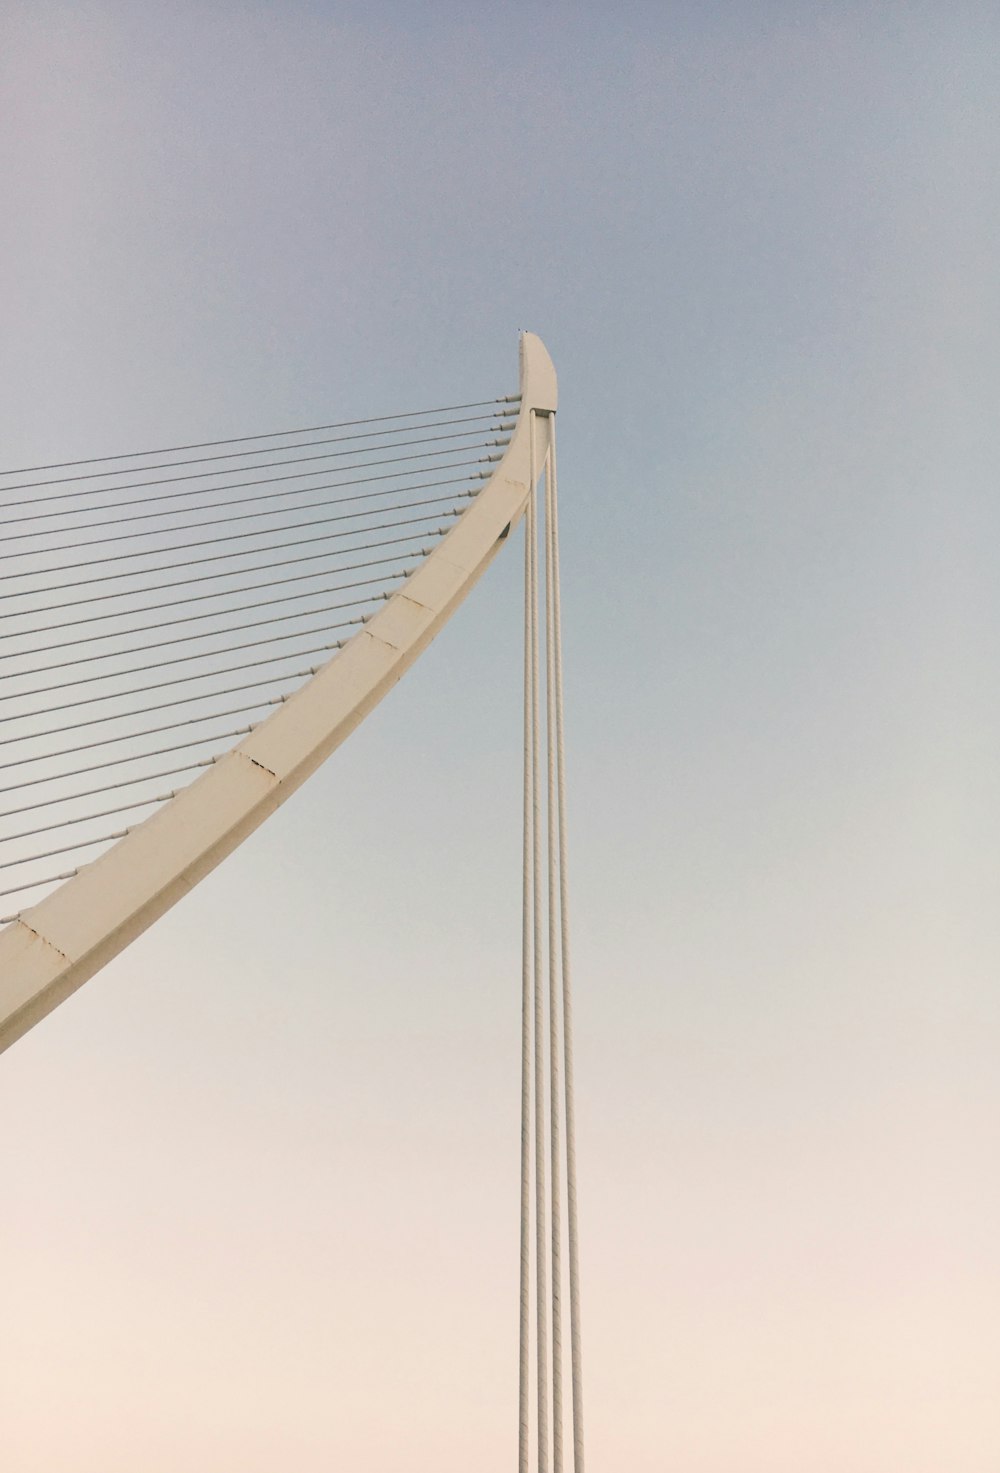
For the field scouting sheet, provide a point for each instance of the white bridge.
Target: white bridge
(131, 585)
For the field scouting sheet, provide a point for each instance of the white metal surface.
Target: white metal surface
(56, 945)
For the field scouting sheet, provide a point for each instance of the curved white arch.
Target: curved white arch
(55, 946)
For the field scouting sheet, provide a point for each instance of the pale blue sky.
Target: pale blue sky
(259, 1194)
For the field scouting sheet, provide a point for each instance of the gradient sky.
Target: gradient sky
(258, 1200)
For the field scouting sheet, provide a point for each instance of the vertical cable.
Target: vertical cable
(523, 1434)
(539, 1071)
(552, 912)
(552, 532)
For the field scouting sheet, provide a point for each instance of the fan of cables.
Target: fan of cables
(157, 605)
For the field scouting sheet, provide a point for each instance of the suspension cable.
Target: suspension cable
(273, 435)
(144, 710)
(494, 419)
(181, 660)
(202, 505)
(149, 552)
(324, 470)
(36, 885)
(66, 823)
(63, 849)
(201, 741)
(126, 736)
(200, 637)
(220, 557)
(413, 454)
(138, 690)
(125, 782)
(434, 532)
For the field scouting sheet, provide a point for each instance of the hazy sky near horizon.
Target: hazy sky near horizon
(258, 1204)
